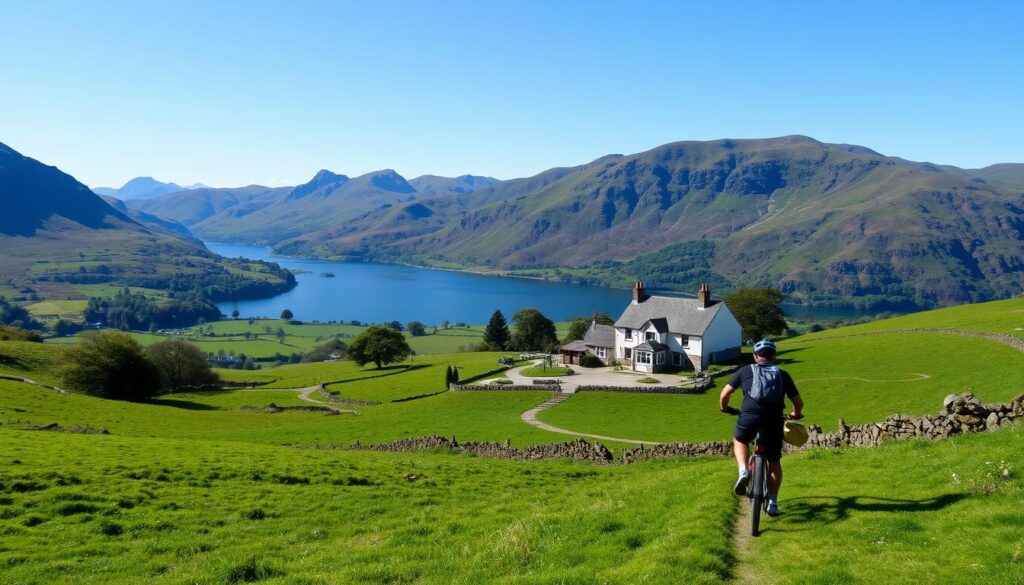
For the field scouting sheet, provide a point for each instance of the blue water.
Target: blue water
(375, 293)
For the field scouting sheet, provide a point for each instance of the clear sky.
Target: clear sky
(230, 93)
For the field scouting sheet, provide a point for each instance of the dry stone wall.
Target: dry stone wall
(693, 389)
(274, 409)
(341, 401)
(578, 450)
(519, 387)
(959, 414)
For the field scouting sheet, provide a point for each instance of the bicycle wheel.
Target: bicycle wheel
(757, 495)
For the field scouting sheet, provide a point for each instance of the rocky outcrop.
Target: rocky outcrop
(274, 409)
(578, 450)
(341, 401)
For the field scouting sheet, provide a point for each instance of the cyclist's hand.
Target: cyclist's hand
(794, 416)
(731, 410)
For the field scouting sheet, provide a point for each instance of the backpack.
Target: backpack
(766, 385)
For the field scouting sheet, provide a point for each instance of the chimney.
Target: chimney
(639, 294)
(704, 296)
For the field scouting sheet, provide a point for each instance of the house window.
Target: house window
(659, 357)
(629, 334)
(643, 357)
(601, 352)
(677, 358)
(684, 340)
(650, 336)
(627, 352)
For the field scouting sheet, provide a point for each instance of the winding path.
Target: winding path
(304, 394)
(530, 418)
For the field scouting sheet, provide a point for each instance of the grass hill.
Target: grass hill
(191, 488)
(57, 236)
(193, 206)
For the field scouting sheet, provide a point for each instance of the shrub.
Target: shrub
(589, 360)
(110, 365)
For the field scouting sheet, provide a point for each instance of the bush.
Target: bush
(110, 364)
(181, 365)
(589, 360)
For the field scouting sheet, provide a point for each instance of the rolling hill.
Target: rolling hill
(58, 239)
(827, 223)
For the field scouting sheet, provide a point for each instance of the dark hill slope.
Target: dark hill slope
(55, 233)
(1009, 175)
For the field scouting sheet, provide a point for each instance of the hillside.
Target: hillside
(60, 241)
(827, 223)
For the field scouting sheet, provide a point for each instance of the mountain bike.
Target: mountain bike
(757, 487)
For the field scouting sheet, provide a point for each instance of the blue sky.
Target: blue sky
(229, 93)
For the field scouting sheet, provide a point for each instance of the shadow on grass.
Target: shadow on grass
(806, 513)
(185, 404)
(398, 370)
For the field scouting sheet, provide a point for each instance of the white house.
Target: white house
(655, 333)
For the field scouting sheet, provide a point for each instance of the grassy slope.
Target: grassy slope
(861, 378)
(131, 510)
(898, 515)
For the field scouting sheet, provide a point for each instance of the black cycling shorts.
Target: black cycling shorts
(770, 427)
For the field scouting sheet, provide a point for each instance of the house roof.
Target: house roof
(681, 315)
(575, 346)
(600, 336)
(651, 346)
(660, 324)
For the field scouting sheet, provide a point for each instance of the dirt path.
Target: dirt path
(742, 543)
(530, 417)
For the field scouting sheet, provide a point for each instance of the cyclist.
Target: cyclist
(765, 387)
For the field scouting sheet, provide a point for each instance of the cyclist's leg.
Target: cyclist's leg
(745, 431)
(771, 442)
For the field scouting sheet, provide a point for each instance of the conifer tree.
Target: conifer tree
(497, 335)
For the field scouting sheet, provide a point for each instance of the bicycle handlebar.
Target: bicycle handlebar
(733, 411)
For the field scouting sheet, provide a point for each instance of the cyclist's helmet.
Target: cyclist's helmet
(764, 347)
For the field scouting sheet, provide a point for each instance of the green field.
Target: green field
(190, 488)
(229, 336)
(860, 378)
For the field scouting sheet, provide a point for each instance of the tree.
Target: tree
(395, 325)
(496, 335)
(444, 324)
(110, 364)
(287, 314)
(531, 330)
(380, 345)
(280, 335)
(323, 351)
(234, 314)
(181, 365)
(759, 311)
(416, 329)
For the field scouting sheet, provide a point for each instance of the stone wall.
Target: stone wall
(274, 409)
(518, 387)
(340, 401)
(644, 389)
(578, 450)
(959, 414)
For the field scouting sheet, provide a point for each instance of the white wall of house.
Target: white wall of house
(723, 334)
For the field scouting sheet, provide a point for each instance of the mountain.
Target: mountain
(59, 239)
(435, 185)
(139, 188)
(193, 206)
(326, 200)
(1008, 175)
(828, 223)
(169, 227)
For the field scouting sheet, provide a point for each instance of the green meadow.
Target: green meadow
(191, 488)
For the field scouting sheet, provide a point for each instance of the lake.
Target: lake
(374, 293)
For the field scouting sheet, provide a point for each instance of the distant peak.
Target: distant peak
(323, 178)
(389, 180)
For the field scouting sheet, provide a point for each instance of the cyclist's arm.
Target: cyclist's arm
(798, 406)
(723, 398)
